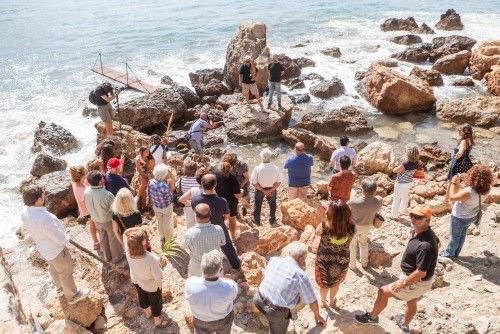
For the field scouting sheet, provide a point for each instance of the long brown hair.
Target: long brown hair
(467, 133)
(338, 219)
(135, 239)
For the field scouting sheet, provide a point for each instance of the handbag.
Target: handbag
(378, 221)
(419, 172)
(479, 214)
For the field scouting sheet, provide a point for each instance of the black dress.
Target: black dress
(132, 220)
(227, 187)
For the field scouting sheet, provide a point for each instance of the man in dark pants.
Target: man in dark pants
(276, 70)
(220, 213)
(417, 265)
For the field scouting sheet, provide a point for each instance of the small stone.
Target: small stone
(477, 277)
(476, 231)
(100, 323)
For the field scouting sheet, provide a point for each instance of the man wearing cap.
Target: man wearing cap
(112, 180)
(417, 265)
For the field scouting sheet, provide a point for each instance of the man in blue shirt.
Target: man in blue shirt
(112, 180)
(299, 172)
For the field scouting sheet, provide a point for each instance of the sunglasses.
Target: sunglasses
(416, 217)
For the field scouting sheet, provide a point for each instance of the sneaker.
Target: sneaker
(366, 319)
(399, 321)
(81, 294)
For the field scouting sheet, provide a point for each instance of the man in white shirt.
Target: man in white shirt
(51, 241)
(211, 297)
(340, 152)
(201, 239)
(266, 178)
(196, 133)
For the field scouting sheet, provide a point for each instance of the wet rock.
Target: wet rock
(444, 46)
(387, 63)
(65, 326)
(406, 39)
(153, 109)
(313, 76)
(294, 83)
(321, 119)
(129, 140)
(424, 29)
(252, 123)
(493, 80)
(327, 88)
(314, 144)
(360, 75)
(455, 63)
(432, 77)
(484, 57)
(300, 98)
(252, 265)
(45, 164)
(59, 198)
(266, 239)
(450, 21)
(54, 138)
(304, 62)
(208, 82)
(250, 39)
(478, 110)
(463, 82)
(394, 93)
(394, 24)
(332, 52)
(167, 80)
(375, 157)
(90, 112)
(298, 213)
(188, 96)
(83, 313)
(292, 69)
(413, 55)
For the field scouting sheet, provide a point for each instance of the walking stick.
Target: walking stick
(86, 251)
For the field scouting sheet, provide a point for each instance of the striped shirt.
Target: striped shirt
(201, 239)
(406, 176)
(284, 282)
(186, 183)
(160, 194)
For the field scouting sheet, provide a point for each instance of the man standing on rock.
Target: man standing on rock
(299, 172)
(417, 265)
(201, 239)
(51, 242)
(364, 209)
(114, 181)
(340, 152)
(248, 74)
(285, 287)
(195, 133)
(276, 70)
(266, 178)
(103, 95)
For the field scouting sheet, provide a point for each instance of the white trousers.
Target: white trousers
(400, 198)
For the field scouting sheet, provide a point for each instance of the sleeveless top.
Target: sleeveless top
(469, 208)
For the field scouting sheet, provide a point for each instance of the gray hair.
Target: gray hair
(369, 186)
(295, 249)
(160, 172)
(266, 155)
(211, 263)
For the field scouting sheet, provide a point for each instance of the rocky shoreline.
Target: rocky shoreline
(113, 309)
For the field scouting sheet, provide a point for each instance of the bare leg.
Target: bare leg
(247, 97)
(109, 129)
(147, 312)
(383, 295)
(410, 310)
(323, 292)
(447, 196)
(333, 293)
(232, 227)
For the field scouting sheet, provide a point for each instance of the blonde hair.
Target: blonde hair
(135, 238)
(77, 172)
(412, 153)
(124, 203)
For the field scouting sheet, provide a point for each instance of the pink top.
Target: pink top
(78, 192)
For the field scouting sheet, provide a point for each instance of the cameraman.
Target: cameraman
(196, 133)
(103, 96)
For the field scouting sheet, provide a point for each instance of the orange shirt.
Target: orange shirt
(341, 185)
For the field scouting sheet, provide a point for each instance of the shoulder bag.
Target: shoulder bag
(479, 214)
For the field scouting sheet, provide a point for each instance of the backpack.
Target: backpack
(92, 97)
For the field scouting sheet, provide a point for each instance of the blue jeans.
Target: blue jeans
(258, 200)
(197, 146)
(274, 86)
(458, 231)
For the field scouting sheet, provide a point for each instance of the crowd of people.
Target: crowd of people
(213, 197)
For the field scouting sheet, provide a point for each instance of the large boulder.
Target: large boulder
(321, 119)
(493, 80)
(327, 88)
(294, 83)
(304, 62)
(478, 110)
(428, 189)
(153, 109)
(322, 146)
(252, 123)
(250, 39)
(394, 24)
(129, 141)
(450, 21)
(59, 197)
(83, 313)
(413, 55)
(484, 57)
(266, 240)
(253, 265)
(463, 82)
(188, 96)
(65, 326)
(406, 39)
(45, 164)
(225, 101)
(394, 93)
(209, 82)
(433, 155)
(299, 213)
(447, 45)
(424, 29)
(375, 157)
(54, 138)
(292, 69)
(455, 63)
(432, 77)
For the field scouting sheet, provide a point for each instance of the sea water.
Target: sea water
(48, 46)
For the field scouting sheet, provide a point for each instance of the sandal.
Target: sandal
(97, 246)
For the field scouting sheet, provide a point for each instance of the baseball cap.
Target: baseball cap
(422, 210)
(114, 163)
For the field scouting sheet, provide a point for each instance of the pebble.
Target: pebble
(100, 323)
(476, 231)
(477, 277)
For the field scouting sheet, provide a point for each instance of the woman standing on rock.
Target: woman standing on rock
(229, 188)
(186, 183)
(141, 167)
(460, 158)
(145, 274)
(467, 207)
(332, 259)
(186, 197)
(125, 213)
(404, 179)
